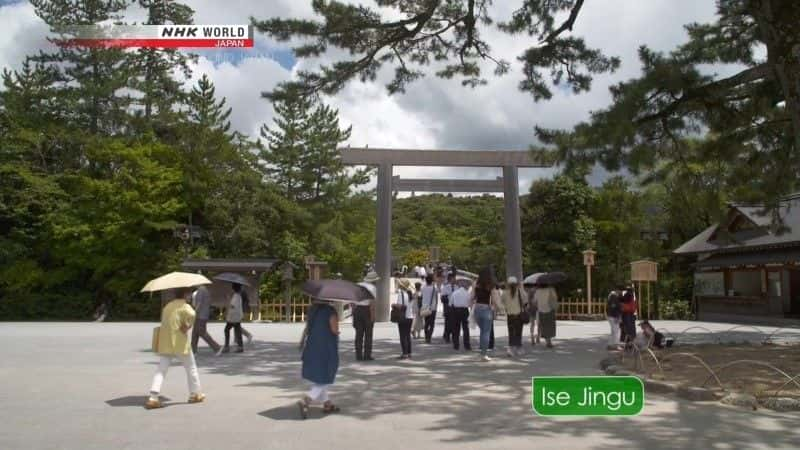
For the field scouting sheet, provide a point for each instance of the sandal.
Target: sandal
(303, 405)
(329, 408)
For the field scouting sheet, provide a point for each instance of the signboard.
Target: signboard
(588, 257)
(644, 271)
(709, 284)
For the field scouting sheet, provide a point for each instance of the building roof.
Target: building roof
(774, 256)
(749, 227)
(230, 265)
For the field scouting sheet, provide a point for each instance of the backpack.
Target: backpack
(613, 305)
(629, 303)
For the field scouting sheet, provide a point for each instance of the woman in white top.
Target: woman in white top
(546, 300)
(404, 300)
(233, 318)
(515, 301)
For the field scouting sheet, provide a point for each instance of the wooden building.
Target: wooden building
(748, 267)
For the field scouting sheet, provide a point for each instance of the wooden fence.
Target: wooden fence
(276, 312)
(569, 309)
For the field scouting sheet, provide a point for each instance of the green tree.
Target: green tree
(286, 146)
(90, 79)
(155, 70)
(557, 225)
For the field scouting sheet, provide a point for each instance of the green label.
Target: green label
(587, 396)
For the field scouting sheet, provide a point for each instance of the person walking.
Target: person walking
(404, 303)
(364, 322)
(418, 323)
(460, 302)
(530, 291)
(514, 301)
(446, 291)
(484, 304)
(614, 316)
(233, 319)
(629, 307)
(430, 302)
(546, 299)
(173, 342)
(201, 301)
(320, 346)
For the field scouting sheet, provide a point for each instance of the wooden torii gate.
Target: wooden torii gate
(386, 159)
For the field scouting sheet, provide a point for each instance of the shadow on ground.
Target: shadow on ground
(474, 402)
(136, 400)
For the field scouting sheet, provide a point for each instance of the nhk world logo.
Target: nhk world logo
(587, 396)
(158, 36)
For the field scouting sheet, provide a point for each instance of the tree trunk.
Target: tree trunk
(777, 21)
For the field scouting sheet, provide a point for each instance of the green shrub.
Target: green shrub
(675, 309)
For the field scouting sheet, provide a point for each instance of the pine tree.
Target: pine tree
(751, 118)
(89, 79)
(286, 145)
(156, 70)
(448, 34)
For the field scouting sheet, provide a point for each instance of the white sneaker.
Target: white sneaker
(485, 358)
(509, 352)
(249, 339)
(219, 352)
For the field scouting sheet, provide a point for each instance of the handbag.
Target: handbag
(524, 316)
(154, 344)
(427, 310)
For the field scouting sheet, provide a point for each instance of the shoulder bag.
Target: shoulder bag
(398, 311)
(524, 316)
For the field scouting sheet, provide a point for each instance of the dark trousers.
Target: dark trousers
(404, 326)
(448, 320)
(491, 337)
(237, 332)
(200, 331)
(363, 326)
(460, 318)
(628, 325)
(514, 330)
(430, 322)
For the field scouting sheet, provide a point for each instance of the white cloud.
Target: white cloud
(241, 85)
(23, 33)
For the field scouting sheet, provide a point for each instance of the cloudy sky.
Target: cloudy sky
(434, 113)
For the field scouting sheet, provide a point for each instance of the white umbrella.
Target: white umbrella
(532, 279)
(370, 287)
(175, 280)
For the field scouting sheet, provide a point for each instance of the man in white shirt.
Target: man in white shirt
(460, 301)
(446, 291)
(430, 301)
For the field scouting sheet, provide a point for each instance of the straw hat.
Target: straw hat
(371, 277)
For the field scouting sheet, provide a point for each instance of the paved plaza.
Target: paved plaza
(82, 386)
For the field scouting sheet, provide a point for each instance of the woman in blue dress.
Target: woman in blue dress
(320, 346)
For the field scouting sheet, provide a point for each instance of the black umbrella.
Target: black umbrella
(336, 291)
(551, 278)
(232, 278)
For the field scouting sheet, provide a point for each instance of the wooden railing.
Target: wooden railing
(276, 311)
(569, 309)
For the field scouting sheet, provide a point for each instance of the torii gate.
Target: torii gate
(386, 159)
